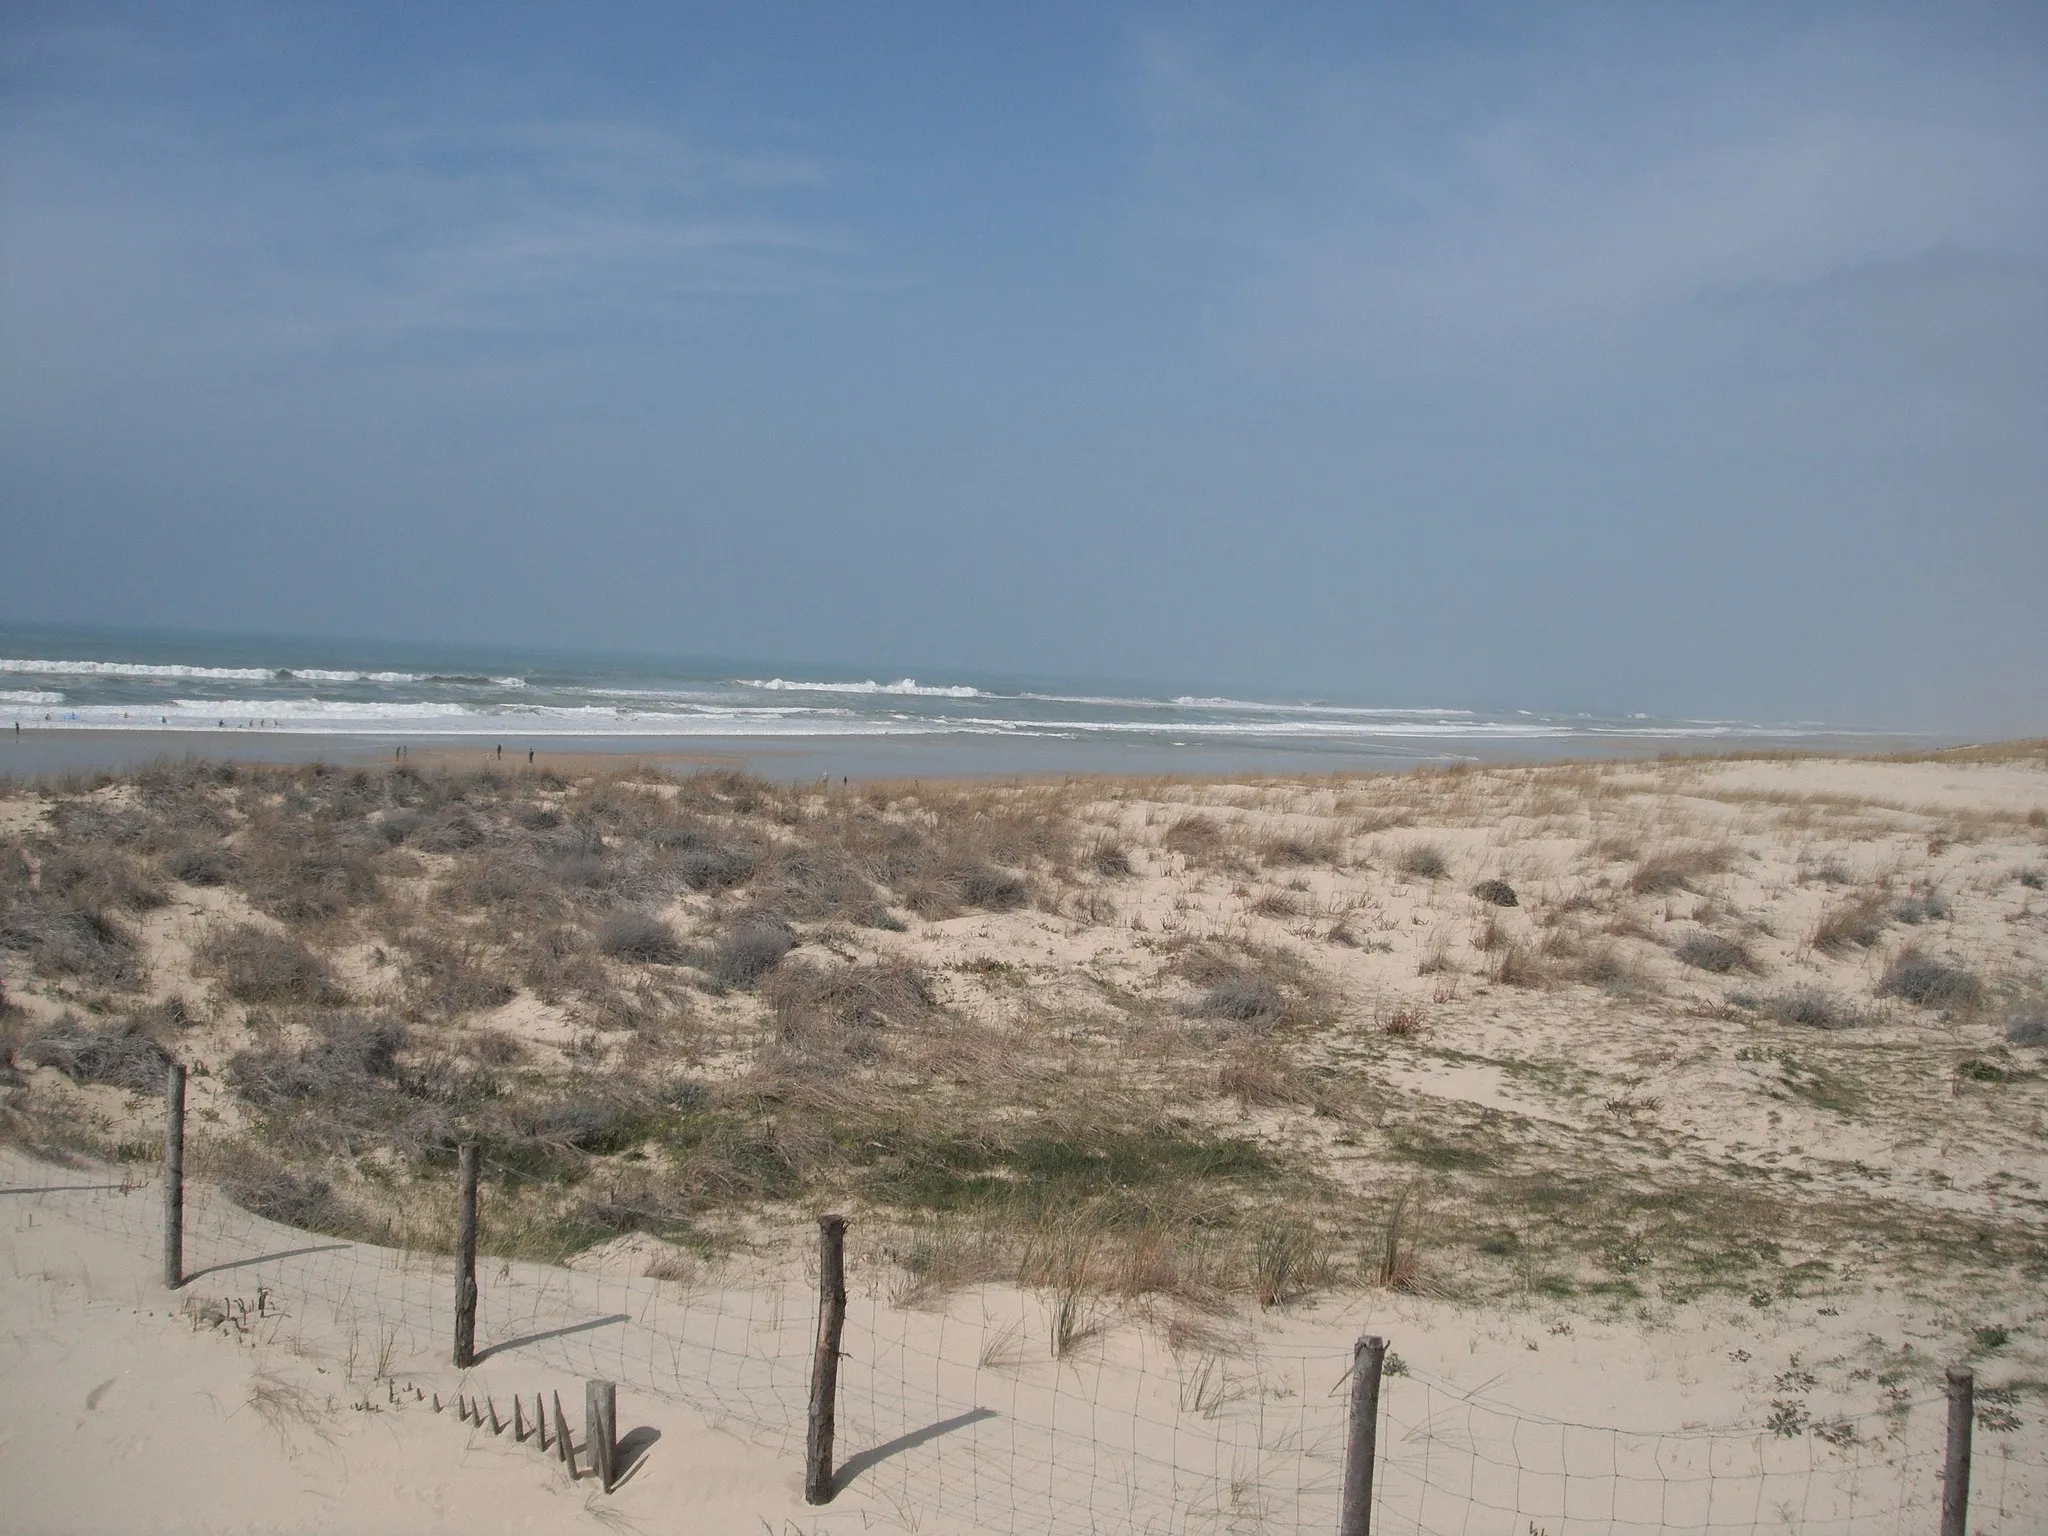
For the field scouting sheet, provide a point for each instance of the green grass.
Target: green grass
(1039, 1172)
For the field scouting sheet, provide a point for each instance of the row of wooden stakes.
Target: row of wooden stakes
(600, 1426)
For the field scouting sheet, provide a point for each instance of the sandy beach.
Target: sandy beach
(1677, 1123)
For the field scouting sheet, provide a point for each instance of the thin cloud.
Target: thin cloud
(1335, 205)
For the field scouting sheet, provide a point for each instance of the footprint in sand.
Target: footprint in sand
(92, 1398)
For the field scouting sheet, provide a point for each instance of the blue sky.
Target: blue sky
(1681, 359)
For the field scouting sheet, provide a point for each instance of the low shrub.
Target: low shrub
(348, 1054)
(1496, 893)
(1920, 978)
(1809, 1008)
(1423, 861)
(640, 937)
(1924, 908)
(201, 864)
(286, 1198)
(97, 877)
(255, 965)
(1293, 850)
(66, 940)
(1195, 837)
(991, 888)
(120, 1055)
(804, 1000)
(2027, 1029)
(1110, 859)
(1705, 951)
(1680, 870)
(1858, 924)
(748, 952)
(1242, 999)
(1514, 966)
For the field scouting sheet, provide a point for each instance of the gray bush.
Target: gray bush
(2027, 1028)
(1914, 910)
(639, 936)
(121, 1055)
(1242, 999)
(286, 1198)
(1920, 978)
(348, 1055)
(1423, 861)
(986, 886)
(201, 864)
(254, 965)
(1496, 893)
(1705, 951)
(1809, 1007)
(746, 953)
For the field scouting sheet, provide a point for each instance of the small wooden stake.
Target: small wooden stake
(465, 1258)
(437, 1402)
(174, 1177)
(518, 1422)
(540, 1421)
(1955, 1477)
(600, 1428)
(497, 1426)
(818, 1487)
(1361, 1443)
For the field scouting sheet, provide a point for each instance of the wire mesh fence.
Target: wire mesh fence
(961, 1418)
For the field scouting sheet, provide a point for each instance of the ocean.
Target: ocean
(294, 698)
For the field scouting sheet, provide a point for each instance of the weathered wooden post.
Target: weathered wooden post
(174, 1177)
(825, 1365)
(1362, 1442)
(465, 1259)
(601, 1429)
(1955, 1477)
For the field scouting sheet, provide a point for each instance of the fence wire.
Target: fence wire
(959, 1418)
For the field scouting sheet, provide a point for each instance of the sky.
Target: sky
(1682, 359)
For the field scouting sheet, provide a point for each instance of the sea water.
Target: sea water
(183, 686)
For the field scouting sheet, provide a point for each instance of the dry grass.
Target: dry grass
(1679, 869)
(256, 965)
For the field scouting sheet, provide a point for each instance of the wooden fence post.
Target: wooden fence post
(174, 1177)
(1955, 1477)
(465, 1259)
(825, 1365)
(601, 1429)
(1362, 1442)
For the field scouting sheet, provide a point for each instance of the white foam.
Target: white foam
(147, 669)
(908, 686)
(29, 696)
(325, 675)
(135, 669)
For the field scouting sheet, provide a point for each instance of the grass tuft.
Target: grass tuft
(641, 937)
(1705, 951)
(1918, 977)
(255, 965)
